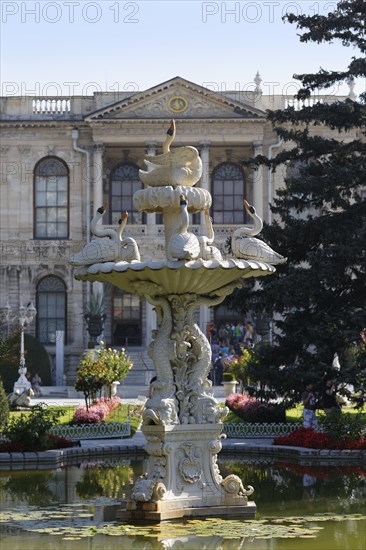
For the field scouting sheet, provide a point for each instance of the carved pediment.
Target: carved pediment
(176, 98)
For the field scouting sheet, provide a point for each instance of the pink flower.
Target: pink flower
(98, 412)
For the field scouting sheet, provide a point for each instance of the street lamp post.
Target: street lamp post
(25, 317)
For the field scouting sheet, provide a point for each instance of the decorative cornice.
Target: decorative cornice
(187, 121)
(32, 123)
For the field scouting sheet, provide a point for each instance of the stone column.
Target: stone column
(205, 315)
(150, 218)
(258, 180)
(98, 150)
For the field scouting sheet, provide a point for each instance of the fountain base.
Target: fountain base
(181, 482)
(163, 513)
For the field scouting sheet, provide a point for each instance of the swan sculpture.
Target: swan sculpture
(109, 244)
(209, 252)
(182, 166)
(245, 246)
(183, 245)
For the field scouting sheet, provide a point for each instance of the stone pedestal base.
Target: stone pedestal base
(183, 478)
(22, 385)
(163, 513)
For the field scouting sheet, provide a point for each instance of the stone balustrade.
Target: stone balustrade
(75, 107)
(259, 430)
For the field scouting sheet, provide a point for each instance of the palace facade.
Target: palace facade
(63, 157)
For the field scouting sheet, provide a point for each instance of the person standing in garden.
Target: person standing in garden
(309, 399)
(329, 396)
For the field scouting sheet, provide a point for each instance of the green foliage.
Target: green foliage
(339, 425)
(239, 365)
(90, 377)
(36, 358)
(264, 376)
(4, 407)
(100, 368)
(228, 377)
(95, 305)
(31, 429)
(319, 296)
(32, 489)
(105, 481)
(116, 363)
(9, 360)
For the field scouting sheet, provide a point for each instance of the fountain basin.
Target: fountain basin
(174, 277)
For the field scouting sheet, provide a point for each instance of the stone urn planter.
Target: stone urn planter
(230, 386)
(111, 390)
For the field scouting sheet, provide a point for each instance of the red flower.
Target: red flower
(309, 438)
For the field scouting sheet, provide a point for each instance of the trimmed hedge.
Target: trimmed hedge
(36, 360)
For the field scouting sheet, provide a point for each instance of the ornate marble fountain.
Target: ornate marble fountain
(182, 421)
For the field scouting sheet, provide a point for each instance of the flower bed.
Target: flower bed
(251, 410)
(309, 438)
(97, 412)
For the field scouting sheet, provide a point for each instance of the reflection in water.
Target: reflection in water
(309, 482)
(74, 508)
(108, 480)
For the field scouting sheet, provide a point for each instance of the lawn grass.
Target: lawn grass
(121, 414)
(65, 418)
(295, 414)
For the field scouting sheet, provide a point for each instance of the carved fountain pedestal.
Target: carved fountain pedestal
(182, 421)
(183, 478)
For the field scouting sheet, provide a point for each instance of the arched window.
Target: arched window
(124, 182)
(228, 192)
(51, 199)
(126, 315)
(51, 309)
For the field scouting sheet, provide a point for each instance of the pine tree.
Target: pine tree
(320, 295)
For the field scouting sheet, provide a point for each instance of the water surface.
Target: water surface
(299, 508)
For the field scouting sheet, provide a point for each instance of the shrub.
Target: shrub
(50, 442)
(101, 368)
(97, 412)
(116, 363)
(252, 410)
(228, 377)
(90, 378)
(343, 425)
(59, 442)
(31, 430)
(4, 407)
(239, 365)
(36, 359)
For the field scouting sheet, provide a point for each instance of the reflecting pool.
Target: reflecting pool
(299, 508)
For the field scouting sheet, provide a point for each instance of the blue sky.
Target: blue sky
(80, 46)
